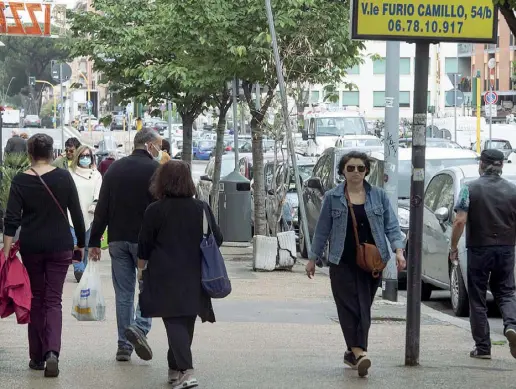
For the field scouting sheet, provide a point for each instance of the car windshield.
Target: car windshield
(305, 171)
(227, 166)
(498, 144)
(432, 166)
(206, 144)
(339, 126)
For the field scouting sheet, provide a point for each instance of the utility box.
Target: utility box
(235, 208)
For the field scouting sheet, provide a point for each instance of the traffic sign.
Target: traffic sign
(67, 71)
(454, 97)
(89, 104)
(491, 97)
(491, 110)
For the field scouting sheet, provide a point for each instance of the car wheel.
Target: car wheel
(302, 244)
(426, 291)
(459, 295)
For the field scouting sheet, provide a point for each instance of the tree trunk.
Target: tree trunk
(187, 137)
(219, 149)
(260, 225)
(508, 13)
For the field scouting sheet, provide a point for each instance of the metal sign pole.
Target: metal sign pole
(417, 191)
(284, 106)
(235, 119)
(455, 104)
(62, 104)
(392, 108)
(169, 119)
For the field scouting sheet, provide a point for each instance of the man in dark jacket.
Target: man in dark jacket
(488, 207)
(124, 197)
(16, 144)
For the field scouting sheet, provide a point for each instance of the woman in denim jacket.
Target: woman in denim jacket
(353, 288)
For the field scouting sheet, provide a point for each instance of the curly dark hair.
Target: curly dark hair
(73, 142)
(172, 179)
(354, 155)
(40, 147)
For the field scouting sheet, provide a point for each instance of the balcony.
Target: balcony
(465, 49)
(490, 48)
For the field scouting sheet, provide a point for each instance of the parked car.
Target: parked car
(203, 187)
(437, 271)
(305, 166)
(432, 142)
(157, 125)
(32, 121)
(87, 121)
(204, 150)
(324, 177)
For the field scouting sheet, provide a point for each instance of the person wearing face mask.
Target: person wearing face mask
(124, 197)
(88, 181)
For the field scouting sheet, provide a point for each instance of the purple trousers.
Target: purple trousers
(47, 273)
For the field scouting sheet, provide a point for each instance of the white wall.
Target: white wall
(367, 82)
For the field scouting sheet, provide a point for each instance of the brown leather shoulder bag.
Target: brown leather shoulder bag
(368, 255)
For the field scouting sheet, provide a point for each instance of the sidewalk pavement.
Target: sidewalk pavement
(276, 330)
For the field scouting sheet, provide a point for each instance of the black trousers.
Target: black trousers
(493, 266)
(353, 290)
(180, 331)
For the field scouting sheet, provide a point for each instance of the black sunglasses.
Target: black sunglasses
(352, 168)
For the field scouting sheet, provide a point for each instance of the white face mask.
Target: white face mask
(159, 156)
(160, 152)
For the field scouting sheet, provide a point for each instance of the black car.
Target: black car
(324, 177)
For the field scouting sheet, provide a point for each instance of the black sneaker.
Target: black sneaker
(350, 359)
(510, 334)
(78, 275)
(363, 365)
(476, 353)
(52, 365)
(35, 365)
(123, 355)
(139, 342)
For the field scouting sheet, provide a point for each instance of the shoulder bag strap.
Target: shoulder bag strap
(50, 193)
(206, 225)
(355, 228)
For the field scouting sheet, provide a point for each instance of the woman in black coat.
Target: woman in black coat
(170, 264)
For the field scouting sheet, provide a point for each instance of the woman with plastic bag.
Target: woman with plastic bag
(170, 265)
(88, 181)
(38, 200)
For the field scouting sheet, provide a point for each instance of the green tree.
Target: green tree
(310, 53)
(24, 57)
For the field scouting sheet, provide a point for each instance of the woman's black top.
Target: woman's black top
(170, 239)
(44, 229)
(364, 234)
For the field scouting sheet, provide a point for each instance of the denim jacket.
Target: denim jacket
(333, 219)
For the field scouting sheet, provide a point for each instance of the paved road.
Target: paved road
(440, 301)
(54, 133)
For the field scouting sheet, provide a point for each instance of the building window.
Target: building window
(451, 65)
(404, 66)
(404, 99)
(354, 70)
(378, 99)
(350, 98)
(315, 97)
(379, 66)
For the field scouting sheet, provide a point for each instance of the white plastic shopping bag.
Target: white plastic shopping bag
(88, 300)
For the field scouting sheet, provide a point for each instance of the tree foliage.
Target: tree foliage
(24, 57)
(507, 8)
(188, 50)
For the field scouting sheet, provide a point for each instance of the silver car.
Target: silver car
(440, 198)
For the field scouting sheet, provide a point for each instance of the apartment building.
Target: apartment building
(445, 69)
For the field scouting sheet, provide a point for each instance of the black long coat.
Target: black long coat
(170, 240)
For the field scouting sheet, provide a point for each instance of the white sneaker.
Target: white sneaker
(186, 380)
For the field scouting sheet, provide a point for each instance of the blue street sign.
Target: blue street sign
(491, 97)
(89, 104)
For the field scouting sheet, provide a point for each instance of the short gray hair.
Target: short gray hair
(145, 136)
(492, 169)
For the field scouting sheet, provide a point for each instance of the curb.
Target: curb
(425, 310)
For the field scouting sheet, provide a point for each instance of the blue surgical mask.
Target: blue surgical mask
(84, 162)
